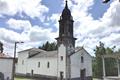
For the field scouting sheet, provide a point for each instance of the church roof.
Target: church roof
(39, 53)
(31, 49)
(46, 54)
(77, 49)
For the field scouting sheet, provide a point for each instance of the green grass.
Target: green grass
(21, 78)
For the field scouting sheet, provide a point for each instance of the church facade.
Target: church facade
(67, 63)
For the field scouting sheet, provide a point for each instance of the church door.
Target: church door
(61, 75)
(1, 76)
(82, 74)
(32, 72)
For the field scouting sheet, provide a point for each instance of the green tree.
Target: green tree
(49, 46)
(99, 51)
(110, 63)
(1, 47)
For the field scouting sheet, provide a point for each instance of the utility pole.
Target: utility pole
(14, 59)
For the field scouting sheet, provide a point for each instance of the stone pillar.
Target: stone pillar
(118, 67)
(104, 73)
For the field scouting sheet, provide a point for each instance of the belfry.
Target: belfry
(66, 28)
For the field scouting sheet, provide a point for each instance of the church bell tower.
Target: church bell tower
(66, 44)
(66, 28)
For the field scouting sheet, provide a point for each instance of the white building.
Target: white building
(68, 62)
(5, 67)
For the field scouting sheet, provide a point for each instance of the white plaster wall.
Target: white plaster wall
(76, 64)
(6, 67)
(62, 64)
(22, 68)
(88, 64)
(32, 64)
(43, 69)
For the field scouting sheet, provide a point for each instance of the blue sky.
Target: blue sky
(36, 21)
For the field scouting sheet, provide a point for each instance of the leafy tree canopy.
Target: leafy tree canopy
(1, 47)
(110, 63)
(49, 46)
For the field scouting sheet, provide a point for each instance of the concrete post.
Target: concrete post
(118, 67)
(104, 73)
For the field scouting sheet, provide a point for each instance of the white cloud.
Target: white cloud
(55, 18)
(40, 34)
(88, 31)
(32, 8)
(112, 17)
(19, 24)
(32, 36)
(9, 35)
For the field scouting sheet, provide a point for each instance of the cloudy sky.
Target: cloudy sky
(36, 21)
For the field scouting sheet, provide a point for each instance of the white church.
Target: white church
(66, 63)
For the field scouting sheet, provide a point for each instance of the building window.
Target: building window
(82, 59)
(38, 64)
(22, 62)
(61, 75)
(61, 58)
(48, 65)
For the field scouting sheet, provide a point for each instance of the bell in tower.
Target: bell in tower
(66, 28)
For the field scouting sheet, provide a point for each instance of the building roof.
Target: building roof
(31, 49)
(77, 49)
(39, 53)
(4, 56)
(46, 54)
(35, 51)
